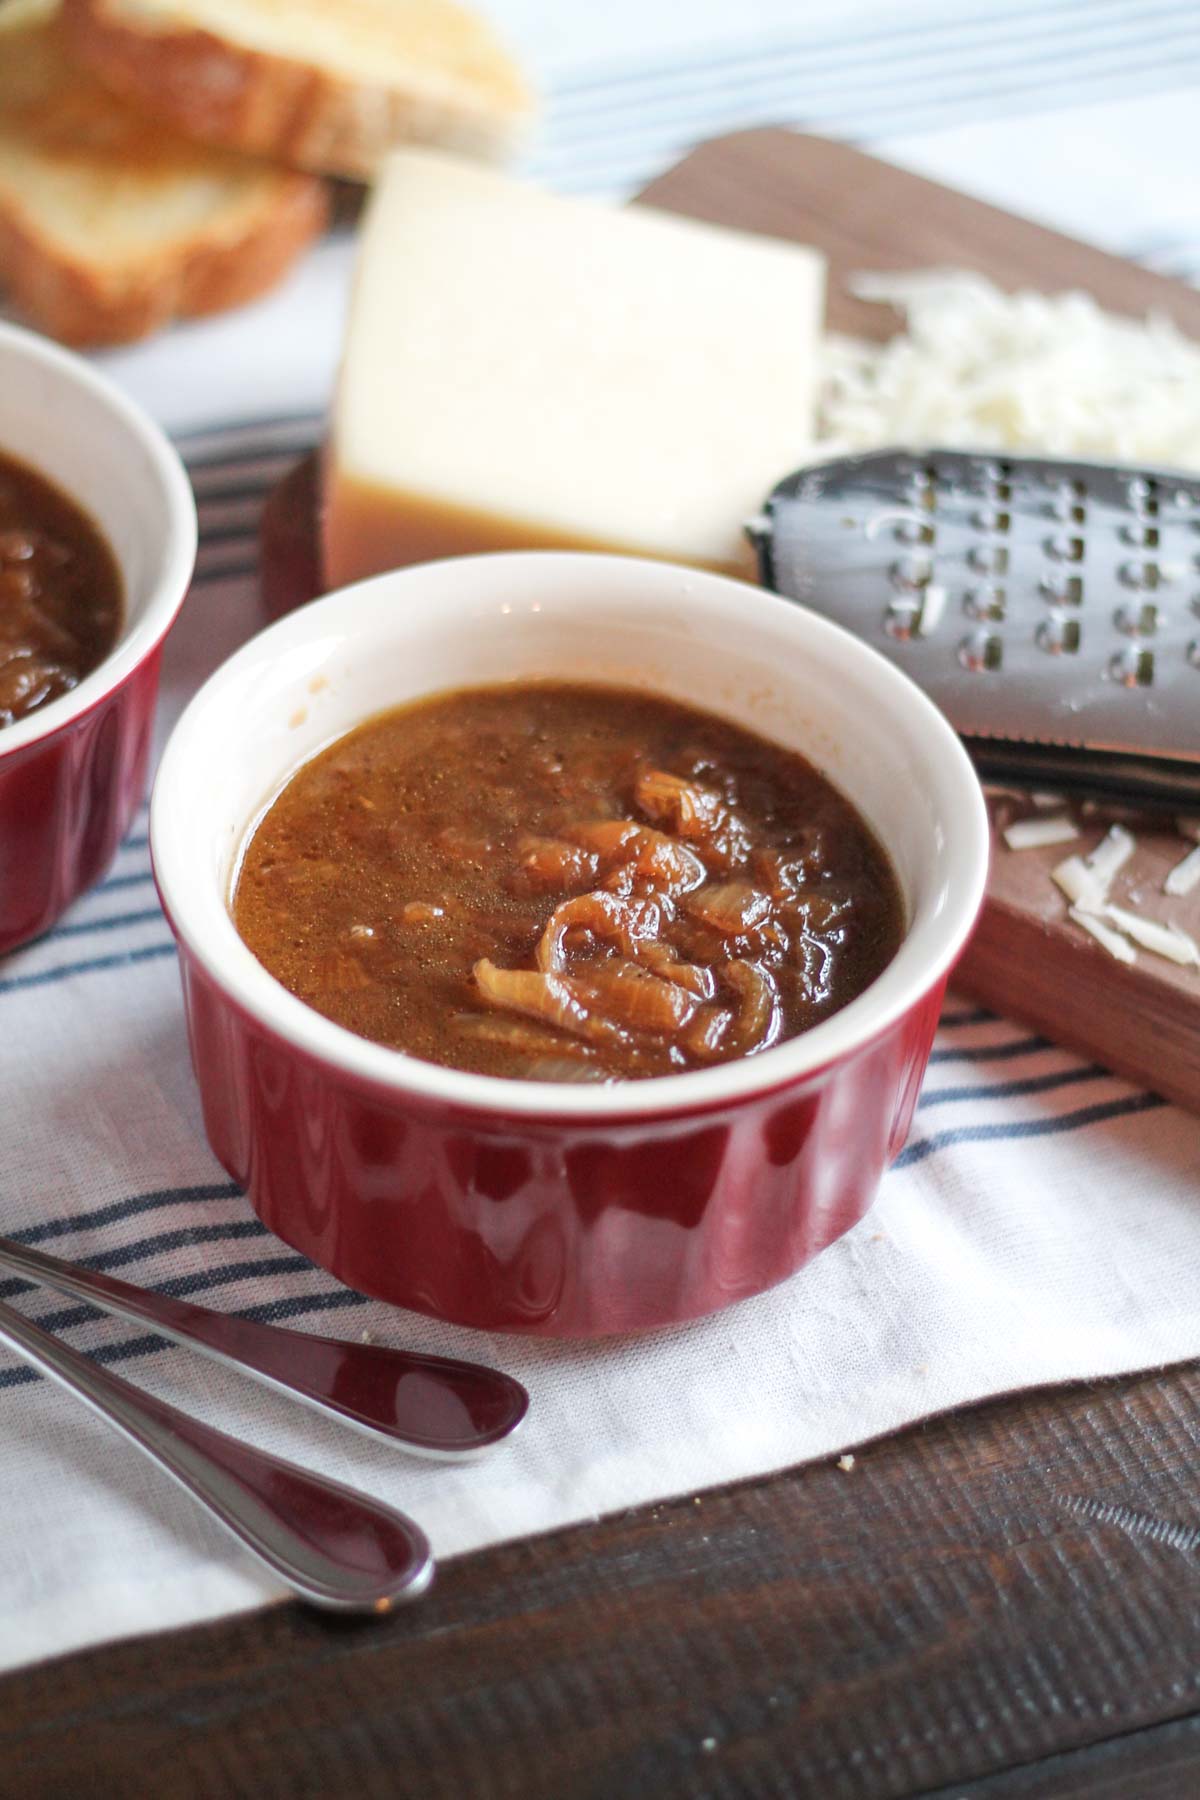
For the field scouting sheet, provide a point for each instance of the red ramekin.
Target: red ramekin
(530, 1206)
(72, 772)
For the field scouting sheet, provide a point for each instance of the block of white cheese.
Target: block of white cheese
(522, 370)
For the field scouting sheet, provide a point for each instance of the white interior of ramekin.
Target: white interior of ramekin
(718, 644)
(71, 425)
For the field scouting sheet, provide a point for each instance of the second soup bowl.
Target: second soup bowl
(530, 1206)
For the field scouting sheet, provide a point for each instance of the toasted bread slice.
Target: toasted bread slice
(112, 224)
(323, 84)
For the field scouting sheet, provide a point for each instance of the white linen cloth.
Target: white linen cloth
(1043, 1224)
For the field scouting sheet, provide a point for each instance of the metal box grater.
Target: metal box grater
(1051, 608)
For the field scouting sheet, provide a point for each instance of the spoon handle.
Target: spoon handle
(431, 1405)
(330, 1545)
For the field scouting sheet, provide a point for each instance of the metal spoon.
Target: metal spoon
(330, 1545)
(433, 1405)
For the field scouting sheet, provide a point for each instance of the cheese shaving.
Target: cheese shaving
(1163, 940)
(933, 605)
(1104, 934)
(1085, 880)
(1032, 834)
(1111, 853)
(1079, 884)
(980, 369)
(1185, 875)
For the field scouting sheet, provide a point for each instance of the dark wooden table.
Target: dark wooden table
(1005, 1602)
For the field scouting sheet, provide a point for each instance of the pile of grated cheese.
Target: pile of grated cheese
(979, 369)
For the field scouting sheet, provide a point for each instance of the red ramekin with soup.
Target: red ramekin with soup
(591, 990)
(97, 545)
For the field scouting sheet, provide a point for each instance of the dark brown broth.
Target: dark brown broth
(60, 593)
(415, 846)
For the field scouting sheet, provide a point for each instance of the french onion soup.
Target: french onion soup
(60, 593)
(566, 883)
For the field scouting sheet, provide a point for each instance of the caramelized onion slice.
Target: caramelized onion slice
(562, 1068)
(693, 811)
(662, 861)
(759, 1021)
(706, 1033)
(548, 997)
(815, 957)
(520, 1035)
(554, 863)
(782, 873)
(639, 1000)
(613, 918)
(695, 977)
(730, 907)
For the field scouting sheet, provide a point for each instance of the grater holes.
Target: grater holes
(1132, 668)
(920, 489)
(985, 603)
(1068, 500)
(1064, 547)
(989, 478)
(989, 559)
(981, 652)
(1137, 621)
(1061, 589)
(1193, 653)
(914, 531)
(1059, 636)
(1141, 535)
(991, 518)
(911, 572)
(901, 620)
(1138, 574)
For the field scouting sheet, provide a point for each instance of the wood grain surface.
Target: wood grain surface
(1002, 1603)
(1010, 1592)
(867, 214)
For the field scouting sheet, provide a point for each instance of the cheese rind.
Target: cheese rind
(525, 371)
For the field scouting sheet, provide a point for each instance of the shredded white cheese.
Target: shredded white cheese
(1032, 834)
(933, 605)
(1162, 940)
(1085, 880)
(982, 370)
(1104, 934)
(1111, 853)
(1185, 875)
(1079, 884)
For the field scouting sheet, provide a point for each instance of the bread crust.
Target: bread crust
(85, 304)
(279, 107)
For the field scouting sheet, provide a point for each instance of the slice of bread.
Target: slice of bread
(323, 84)
(111, 224)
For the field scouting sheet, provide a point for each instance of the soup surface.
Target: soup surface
(566, 883)
(60, 593)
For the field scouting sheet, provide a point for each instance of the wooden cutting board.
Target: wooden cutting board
(1026, 959)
